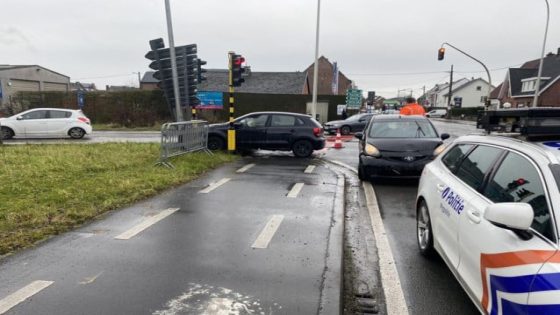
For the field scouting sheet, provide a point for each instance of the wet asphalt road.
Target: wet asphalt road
(200, 259)
(428, 285)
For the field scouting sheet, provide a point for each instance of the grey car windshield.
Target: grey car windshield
(402, 129)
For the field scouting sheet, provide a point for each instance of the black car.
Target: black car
(397, 146)
(353, 123)
(271, 131)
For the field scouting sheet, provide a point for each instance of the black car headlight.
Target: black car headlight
(371, 150)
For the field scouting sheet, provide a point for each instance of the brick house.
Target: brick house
(518, 88)
(325, 75)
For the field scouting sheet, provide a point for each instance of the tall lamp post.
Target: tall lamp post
(441, 53)
(537, 89)
(316, 65)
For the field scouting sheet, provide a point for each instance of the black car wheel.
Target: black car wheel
(302, 148)
(76, 133)
(6, 133)
(345, 130)
(424, 230)
(215, 143)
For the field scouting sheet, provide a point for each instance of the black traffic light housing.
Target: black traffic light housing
(441, 53)
(237, 69)
(200, 71)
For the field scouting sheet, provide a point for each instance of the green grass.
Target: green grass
(49, 189)
(117, 127)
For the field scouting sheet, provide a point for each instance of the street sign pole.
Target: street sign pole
(178, 113)
(231, 130)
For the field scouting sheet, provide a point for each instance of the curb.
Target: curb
(332, 284)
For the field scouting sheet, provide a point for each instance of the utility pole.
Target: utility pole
(537, 88)
(178, 112)
(316, 65)
(450, 93)
(424, 95)
(139, 80)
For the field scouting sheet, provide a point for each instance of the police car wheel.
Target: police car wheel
(424, 230)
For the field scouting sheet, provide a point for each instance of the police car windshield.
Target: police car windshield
(402, 129)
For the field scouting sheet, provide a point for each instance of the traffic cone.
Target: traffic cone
(338, 140)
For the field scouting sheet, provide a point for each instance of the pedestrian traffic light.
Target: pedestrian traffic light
(200, 71)
(237, 69)
(441, 53)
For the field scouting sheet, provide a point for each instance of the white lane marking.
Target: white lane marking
(394, 297)
(309, 169)
(268, 232)
(295, 190)
(88, 280)
(245, 168)
(22, 294)
(145, 224)
(214, 186)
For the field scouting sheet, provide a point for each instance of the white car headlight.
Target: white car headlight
(439, 149)
(371, 150)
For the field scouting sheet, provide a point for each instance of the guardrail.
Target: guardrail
(181, 138)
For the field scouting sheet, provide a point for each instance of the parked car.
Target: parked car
(353, 123)
(46, 122)
(437, 113)
(489, 206)
(271, 131)
(397, 146)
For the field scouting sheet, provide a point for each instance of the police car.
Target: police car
(490, 207)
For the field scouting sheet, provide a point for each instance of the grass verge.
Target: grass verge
(49, 189)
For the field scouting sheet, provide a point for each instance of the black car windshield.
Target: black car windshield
(402, 129)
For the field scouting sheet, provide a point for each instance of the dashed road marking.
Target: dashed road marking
(309, 169)
(295, 190)
(145, 224)
(268, 232)
(214, 185)
(245, 168)
(22, 294)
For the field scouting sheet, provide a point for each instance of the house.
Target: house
(81, 86)
(436, 95)
(470, 94)
(29, 78)
(148, 82)
(518, 88)
(326, 74)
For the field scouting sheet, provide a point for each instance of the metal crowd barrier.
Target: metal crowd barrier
(181, 138)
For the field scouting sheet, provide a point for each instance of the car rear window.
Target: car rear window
(402, 129)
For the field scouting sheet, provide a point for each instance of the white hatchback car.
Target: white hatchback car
(46, 122)
(490, 207)
(437, 113)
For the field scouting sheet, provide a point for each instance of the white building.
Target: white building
(466, 93)
(436, 96)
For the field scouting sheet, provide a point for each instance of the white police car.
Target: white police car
(490, 207)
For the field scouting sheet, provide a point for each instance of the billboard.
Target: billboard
(210, 100)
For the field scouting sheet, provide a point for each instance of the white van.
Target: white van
(437, 113)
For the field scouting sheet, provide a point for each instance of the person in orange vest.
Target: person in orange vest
(412, 108)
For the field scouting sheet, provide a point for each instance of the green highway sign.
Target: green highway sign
(354, 98)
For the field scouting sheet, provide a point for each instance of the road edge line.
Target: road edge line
(332, 282)
(392, 289)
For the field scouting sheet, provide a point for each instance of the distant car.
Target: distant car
(390, 112)
(271, 131)
(353, 123)
(437, 113)
(397, 146)
(46, 122)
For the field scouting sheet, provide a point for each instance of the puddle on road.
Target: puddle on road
(209, 300)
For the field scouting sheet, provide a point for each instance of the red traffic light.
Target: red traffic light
(238, 60)
(441, 53)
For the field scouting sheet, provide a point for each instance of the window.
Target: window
(37, 114)
(402, 129)
(474, 167)
(517, 180)
(285, 121)
(453, 158)
(57, 114)
(479, 88)
(254, 121)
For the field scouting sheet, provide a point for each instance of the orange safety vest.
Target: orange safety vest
(413, 109)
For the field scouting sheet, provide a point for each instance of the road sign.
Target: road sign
(354, 98)
(80, 97)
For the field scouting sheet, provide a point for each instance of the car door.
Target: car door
(58, 122)
(499, 265)
(34, 123)
(251, 131)
(282, 130)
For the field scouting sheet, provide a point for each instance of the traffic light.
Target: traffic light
(200, 71)
(237, 69)
(441, 53)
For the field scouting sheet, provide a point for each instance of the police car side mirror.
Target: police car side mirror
(445, 136)
(515, 216)
(359, 135)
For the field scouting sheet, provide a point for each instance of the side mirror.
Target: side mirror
(515, 216)
(359, 135)
(236, 125)
(445, 136)
(19, 117)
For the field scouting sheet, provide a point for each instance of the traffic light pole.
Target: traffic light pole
(178, 113)
(231, 130)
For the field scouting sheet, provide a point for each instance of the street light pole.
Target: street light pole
(485, 68)
(537, 89)
(316, 64)
(178, 113)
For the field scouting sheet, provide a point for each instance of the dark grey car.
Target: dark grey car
(353, 123)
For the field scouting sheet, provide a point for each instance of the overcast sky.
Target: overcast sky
(377, 43)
